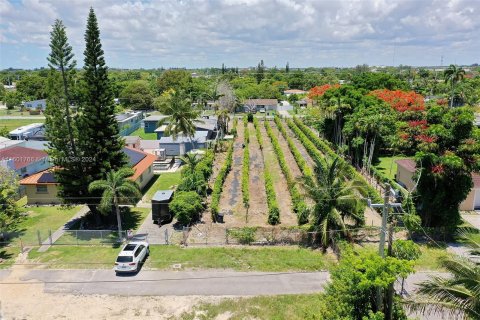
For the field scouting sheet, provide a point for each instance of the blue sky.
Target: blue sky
(196, 33)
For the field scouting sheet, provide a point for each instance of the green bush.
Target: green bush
(250, 117)
(186, 206)
(218, 186)
(245, 235)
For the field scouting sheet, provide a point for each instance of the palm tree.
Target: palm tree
(335, 199)
(181, 116)
(223, 119)
(453, 74)
(117, 188)
(191, 161)
(459, 295)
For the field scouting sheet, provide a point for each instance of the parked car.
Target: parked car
(132, 256)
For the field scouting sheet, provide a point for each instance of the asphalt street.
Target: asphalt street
(176, 283)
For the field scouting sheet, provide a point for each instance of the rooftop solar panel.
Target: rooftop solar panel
(134, 157)
(47, 177)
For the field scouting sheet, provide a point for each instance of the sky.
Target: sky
(239, 33)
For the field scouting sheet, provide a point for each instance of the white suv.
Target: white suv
(131, 256)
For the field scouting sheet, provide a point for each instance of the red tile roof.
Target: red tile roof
(22, 156)
(408, 164)
(139, 168)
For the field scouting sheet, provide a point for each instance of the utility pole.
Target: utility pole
(386, 205)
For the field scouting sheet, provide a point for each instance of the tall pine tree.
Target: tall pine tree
(100, 142)
(61, 130)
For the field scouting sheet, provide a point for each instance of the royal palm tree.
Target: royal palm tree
(181, 116)
(454, 75)
(335, 198)
(117, 188)
(223, 119)
(458, 295)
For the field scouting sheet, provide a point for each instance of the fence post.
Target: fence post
(76, 236)
(166, 236)
(101, 235)
(39, 238)
(50, 236)
(226, 235)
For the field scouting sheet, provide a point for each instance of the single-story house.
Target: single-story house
(209, 125)
(254, 105)
(36, 144)
(36, 104)
(160, 131)
(8, 143)
(153, 147)
(42, 188)
(151, 123)
(404, 176)
(128, 122)
(30, 130)
(183, 144)
(24, 161)
(294, 91)
(132, 142)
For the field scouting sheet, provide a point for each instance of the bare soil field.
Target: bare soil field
(258, 210)
(231, 199)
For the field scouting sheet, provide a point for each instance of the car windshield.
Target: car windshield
(129, 247)
(124, 259)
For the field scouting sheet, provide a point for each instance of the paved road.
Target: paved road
(22, 117)
(177, 283)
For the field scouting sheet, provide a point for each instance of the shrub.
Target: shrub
(246, 176)
(250, 117)
(186, 206)
(245, 235)
(257, 132)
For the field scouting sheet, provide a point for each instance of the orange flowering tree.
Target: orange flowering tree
(318, 91)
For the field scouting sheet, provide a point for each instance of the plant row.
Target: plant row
(219, 181)
(257, 132)
(351, 173)
(312, 150)
(302, 164)
(246, 166)
(273, 210)
(299, 206)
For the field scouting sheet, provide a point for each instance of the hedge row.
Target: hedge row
(257, 132)
(218, 186)
(246, 166)
(273, 210)
(312, 150)
(299, 206)
(350, 170)
(302, 164)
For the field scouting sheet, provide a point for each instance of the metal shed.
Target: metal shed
(160, 202)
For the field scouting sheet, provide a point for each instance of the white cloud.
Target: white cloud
(241, 32)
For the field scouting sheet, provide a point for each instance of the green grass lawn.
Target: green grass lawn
(40, 219)
(12, 124)
(163, 257)
(280, 307)
(388, 165)
(163, 182)
(132, 220)
(145, 136)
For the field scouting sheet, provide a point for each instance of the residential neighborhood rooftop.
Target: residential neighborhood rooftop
(22, 156)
